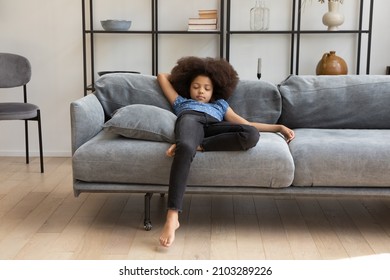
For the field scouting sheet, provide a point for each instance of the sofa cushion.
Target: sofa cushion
(256, 101)
(145, 122)
(346, 101)
(341, 157)
(111, 158)
(121, 89)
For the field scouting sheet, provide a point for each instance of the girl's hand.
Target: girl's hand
(287, 133)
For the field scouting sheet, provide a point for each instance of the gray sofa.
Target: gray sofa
(342, 123)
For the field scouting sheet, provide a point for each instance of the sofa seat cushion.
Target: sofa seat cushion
(111, 158)
(341, 157)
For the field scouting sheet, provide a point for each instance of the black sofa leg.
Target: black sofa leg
(147, 221)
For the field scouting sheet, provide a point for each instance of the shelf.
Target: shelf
(332, 32)
(119, 32)
(217, 32)
(296, 33)
(259, 32)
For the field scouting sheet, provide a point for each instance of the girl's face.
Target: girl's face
(201, 89)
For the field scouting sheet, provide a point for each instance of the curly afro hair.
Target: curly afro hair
(219, 71)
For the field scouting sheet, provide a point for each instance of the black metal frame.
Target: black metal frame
(154, 32)
(38, 119)
(225, 34)
(296, 32)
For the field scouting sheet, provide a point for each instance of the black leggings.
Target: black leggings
(194, 129)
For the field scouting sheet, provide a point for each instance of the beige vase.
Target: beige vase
(333, 18)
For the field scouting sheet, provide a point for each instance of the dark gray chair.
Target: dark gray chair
(15, 71)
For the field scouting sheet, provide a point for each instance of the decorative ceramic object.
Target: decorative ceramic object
(116, 25)
(333, 18)
(331, 64)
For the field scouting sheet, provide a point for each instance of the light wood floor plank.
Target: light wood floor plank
(301, 242)
(275, 241)
(16, 215)
(7, 185)
(223, 231)
(57, 222)
(325, 238)
(20, 236)
(122, 235)
(98, 234)
(74, 233)
(374, 234)
(379, 211)
(14, 196)
(197, 244)
(37, 247)
(349, 235)
(249, 242)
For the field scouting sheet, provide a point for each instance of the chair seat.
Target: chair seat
(17, 111)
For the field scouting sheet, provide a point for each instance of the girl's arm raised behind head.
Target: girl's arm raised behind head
(167, 88)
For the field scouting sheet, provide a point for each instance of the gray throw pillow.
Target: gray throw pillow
(145, 122)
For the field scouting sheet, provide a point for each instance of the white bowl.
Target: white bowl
(116, 25)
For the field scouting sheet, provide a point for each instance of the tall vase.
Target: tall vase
(256, 15)
(333, 18)
(259, 16)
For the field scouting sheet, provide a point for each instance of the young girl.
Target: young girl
(197, 89)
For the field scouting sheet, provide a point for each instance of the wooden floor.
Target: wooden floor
(41, 219)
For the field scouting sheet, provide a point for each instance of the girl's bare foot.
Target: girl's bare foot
(171, 150)
(171, 225)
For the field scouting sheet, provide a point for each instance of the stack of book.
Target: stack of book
(207, 20)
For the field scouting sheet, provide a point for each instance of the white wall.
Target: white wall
(48, 32)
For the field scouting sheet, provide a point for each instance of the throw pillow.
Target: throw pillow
(144, 122)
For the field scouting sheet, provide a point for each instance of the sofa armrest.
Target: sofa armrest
(87, 118)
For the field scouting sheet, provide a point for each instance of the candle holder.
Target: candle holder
(259, 68)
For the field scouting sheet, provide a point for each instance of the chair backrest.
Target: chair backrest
(15, 70)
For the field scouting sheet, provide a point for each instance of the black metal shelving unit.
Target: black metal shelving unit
(295, 32)
(225, 34)
(89, 34)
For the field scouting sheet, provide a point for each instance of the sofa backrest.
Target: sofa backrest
(257, 101)
(254, 100)
(346, 101)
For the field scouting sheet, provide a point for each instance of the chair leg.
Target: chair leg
(26, 141)
(38, 119)
(40, 140)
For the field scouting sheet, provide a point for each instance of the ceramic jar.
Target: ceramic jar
(331, 64)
